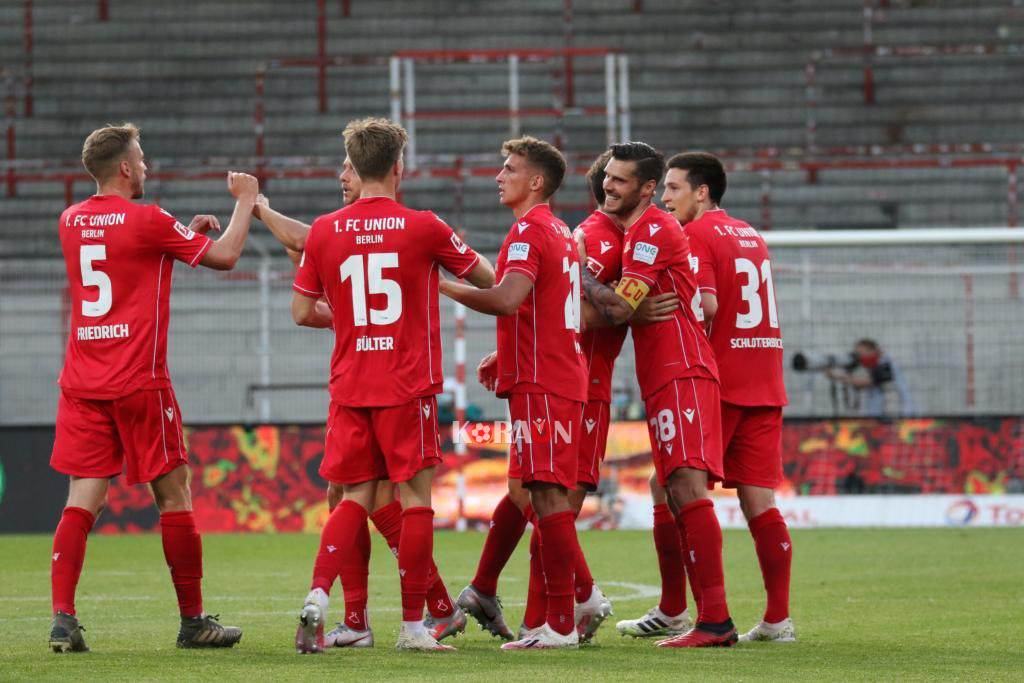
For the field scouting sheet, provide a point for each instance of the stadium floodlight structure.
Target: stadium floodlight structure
(616, 109)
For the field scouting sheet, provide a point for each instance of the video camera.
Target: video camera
(820, 362)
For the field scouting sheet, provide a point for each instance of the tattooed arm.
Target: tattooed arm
(607, 302)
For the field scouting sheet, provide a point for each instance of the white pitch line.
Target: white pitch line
(633, 591)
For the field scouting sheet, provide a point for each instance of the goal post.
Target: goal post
(943, 304)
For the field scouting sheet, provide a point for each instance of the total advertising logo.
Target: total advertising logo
(966, 512)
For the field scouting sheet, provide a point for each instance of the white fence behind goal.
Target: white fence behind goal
(945, 305)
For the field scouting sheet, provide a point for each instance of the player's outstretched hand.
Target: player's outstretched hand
(656, 309)
(261, 203)
(487, 371)
(243, 185)
(204, 223)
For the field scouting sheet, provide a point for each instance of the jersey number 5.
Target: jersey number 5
(362, 286)
(751, 294)
(87, 254)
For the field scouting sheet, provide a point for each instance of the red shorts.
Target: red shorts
(753, 445)
(392, 442)
(685, 425)
(139, 433)
(545, 438)
(593, 440)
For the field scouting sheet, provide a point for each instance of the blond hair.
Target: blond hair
(105, 147)
(543, 156)
(374, 146)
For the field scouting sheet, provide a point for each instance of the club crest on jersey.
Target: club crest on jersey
(522, 225)
(459, 245)
(518, 251)
(645, 253)
(605, 247)
(594, 266)
(654, 229)
(183, 231)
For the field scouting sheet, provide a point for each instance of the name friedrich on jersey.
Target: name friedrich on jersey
(370, 225)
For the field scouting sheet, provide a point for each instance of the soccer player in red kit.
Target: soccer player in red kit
(117, 411)
(376, 263)
(444, 619)
(738, 300)
(677, 374)
(540, 367)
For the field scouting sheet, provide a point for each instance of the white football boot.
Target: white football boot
(656, 624)
(591, 614)
(782, 632)
(545, 638)
(416, 637)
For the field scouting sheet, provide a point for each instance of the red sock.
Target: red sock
(507, 527)
(691, 572)
(704, 545)
(338, 541)
(388, 521)
(558, 551)
(670, 561)
(183, 550)
(414, 552)
(536, 595)
(354, 574)
(775, 555)
(583, 582)
(68, 555)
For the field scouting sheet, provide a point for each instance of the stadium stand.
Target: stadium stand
(900, 114)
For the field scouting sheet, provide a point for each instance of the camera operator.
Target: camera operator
(871, 371)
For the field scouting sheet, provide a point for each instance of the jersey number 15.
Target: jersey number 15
(369, 279)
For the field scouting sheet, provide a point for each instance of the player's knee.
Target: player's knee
(755, 501)
(517, 494)
(687, 486)
(335, 494)
(658, 493)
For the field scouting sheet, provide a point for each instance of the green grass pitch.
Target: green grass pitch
(869, 605)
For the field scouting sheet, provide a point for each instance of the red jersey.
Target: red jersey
(601, 345)
(376, 262)
(657, 254)
(733, 263)
(119, 256)
(538, 346)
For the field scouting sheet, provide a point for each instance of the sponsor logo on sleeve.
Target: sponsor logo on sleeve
(605, 246)
(182, 230)
(518, 251)
(522, 225)
(645, 253)
(654, 229)
(594, 266)
(459, 245)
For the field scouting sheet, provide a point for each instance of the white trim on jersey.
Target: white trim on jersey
(430, 353)
(420, 411)
(679, 328)
(700, 418)
(551, 434)
(533, 298)
(468, 268)
(529, 425)
(306, 291)
(163, 434)
(156, 327)
(594, 455)
(181, 430)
